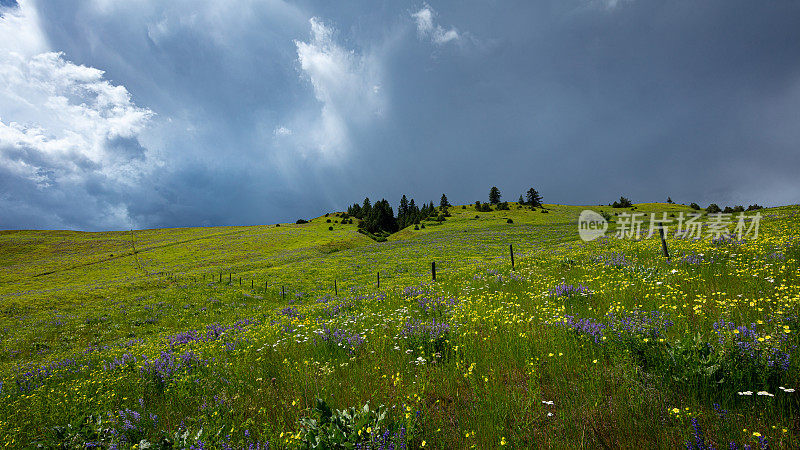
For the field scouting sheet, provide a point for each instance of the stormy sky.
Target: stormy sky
(146, 113)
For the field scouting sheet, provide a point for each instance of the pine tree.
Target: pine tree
(381, 218)
(494, 195)
(521, 200)
(413, 212)
(355, 211)
(534, 199)
(402, 213)
(366, 208)
(403, 210)
(623, 202)
(443, 203)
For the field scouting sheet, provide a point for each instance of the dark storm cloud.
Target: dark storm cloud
(260, 115)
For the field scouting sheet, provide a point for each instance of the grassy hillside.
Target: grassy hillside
(122, 336)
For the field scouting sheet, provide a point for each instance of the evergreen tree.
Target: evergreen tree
(443, 203)
(669, 200)
(533, 197)
(355, 211)
(381, 218)
(413, 212)
(623, 202)
(403, 210)
(494, 195)
(521, 200)
(366, 209)
(402, 213)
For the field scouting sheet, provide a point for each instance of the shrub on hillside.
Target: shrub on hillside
(301, 221)
(694, 206)
(713, 208)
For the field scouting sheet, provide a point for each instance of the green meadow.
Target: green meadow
(278, 336)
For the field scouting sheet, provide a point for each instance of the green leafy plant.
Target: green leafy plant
(333, 428)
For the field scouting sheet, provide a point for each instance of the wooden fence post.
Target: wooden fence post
(335, 288)
(433, 270)
(663, 240)
(511, 248)
(283, 292)
(379, 280)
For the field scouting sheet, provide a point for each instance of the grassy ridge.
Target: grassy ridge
(617, 338)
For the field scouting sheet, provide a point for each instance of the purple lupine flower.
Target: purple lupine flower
(568, 290)
(586, 326)
(342, 338)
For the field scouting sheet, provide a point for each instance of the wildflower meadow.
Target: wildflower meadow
(279, 336)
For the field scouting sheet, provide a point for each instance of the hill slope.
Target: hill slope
(95, 324)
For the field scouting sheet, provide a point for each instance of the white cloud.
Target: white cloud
(424, 18)
(282, 131)
(19, 29)
(61, 108)
(426, 28)
(66, 133)
(345, 82)
(607, 4)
